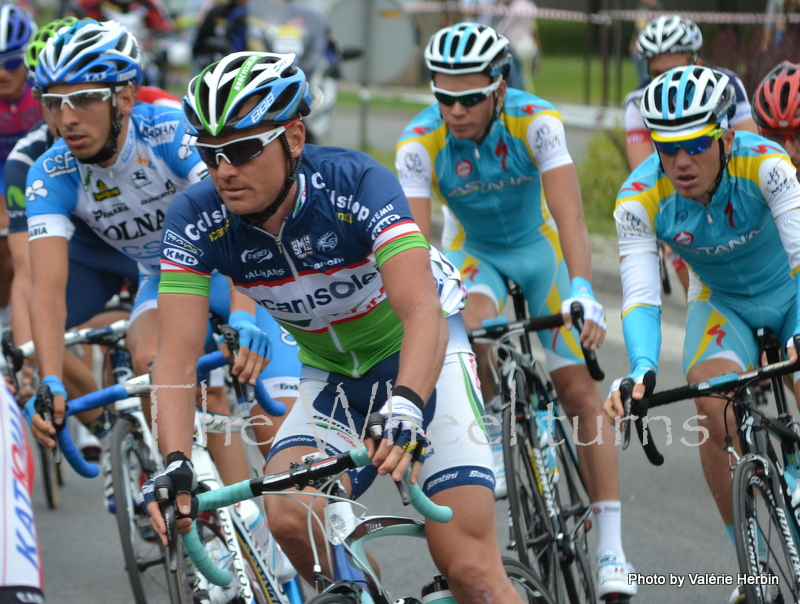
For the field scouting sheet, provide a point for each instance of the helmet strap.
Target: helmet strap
(110, 148)
(498, 108)
(723, 160)
(258, 219)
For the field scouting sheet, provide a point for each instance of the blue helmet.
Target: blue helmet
(216, 94)
(16, 29)
(90, 52)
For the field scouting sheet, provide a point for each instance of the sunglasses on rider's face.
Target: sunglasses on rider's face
(780, 137)
(240, 151)
(692, 146)
(467, 98)
(82, 100)
(12, 63)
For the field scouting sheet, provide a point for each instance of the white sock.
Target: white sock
(608, 517)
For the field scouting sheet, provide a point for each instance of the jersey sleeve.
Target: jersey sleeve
(51, 193)
(548, 141)
(743, 111)
(14, 174)
(635, 129)
(414, 169)
(387, 227)
(185, 267)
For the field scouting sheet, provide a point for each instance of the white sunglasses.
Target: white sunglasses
(238, 151)
(81, 100)
(467, 98)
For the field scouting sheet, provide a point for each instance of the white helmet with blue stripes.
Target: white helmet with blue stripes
(468, 48)
(686, 99)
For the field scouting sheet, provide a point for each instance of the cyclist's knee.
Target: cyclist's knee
(470, 574)
(479, 308)
(577, 391)
(288, 522)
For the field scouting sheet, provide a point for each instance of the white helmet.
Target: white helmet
(468, 48)
(686, 99)
(669, 35)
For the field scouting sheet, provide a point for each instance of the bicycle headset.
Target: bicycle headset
(688, 98)
(470, 48)
(92, 52)
(217, 93)
(776, 103)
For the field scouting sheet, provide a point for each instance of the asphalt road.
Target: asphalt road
(670, 526)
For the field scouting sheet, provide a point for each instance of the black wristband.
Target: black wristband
(177, 456)
(409, 394)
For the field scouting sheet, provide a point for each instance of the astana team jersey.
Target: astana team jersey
(125, 204)
(320, 276)
(496, 191)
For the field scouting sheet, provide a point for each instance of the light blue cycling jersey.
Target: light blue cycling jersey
(741, 249)
(125, 203)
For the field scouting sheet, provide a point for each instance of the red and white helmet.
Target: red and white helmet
(776, 102)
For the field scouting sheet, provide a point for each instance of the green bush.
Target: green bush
(562, 37)
(601, 174)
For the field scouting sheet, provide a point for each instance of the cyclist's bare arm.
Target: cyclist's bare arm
(638, 152)
(421, 211)
(49, 267)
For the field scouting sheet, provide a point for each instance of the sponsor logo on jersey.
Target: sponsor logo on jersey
(103, 192)
(144, 161)
(684, 237)
(115, 209)
(336, 290)
(463, 168)
(36, 231)
(302, 246)
(257, 256)
(160, 134)
(270, 272)
(380, 214)
(140, 179)
(545, 139)
(479, 186)
(413, 163)
(59, 164)
(217, 233)
(729, 245)
(206, 222)
(140, 226)
(36, 189)
(87, 182)
(384, 223)
(187, 146)
(170, 186)
(319, 265)
(172, 238)
(348, 206)
(327, 242)
(179, 256)
(681, 216)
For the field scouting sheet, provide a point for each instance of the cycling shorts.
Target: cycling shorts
(544, 283)
(20, 560)
(334, 407)
(723, 327)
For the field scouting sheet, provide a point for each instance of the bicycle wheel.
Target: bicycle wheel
(330, 599)
(528, 586)
(150, 579)
(765, 535)
(533, 531)
(576, 515)
(51, 476)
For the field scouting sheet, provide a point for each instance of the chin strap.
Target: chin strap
(723, 160)
(110, 148)
(258, 219)
(498, 108)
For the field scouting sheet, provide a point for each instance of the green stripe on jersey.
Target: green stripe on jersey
(401, 244)
(184, 282)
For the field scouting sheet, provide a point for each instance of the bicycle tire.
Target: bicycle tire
(757, 511)
(573, 499)
(145, 560)
(51, 477)
(533, 531)
(330, 599)
(527, 584)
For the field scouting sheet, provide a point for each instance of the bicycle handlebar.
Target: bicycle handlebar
(298, 476)
(496, 328)
(636, 410)
(138, 386)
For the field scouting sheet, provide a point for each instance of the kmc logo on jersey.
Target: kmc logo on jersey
(684, 238)
(302, 246)
(463, 168)
(179, 256)
(104, 192)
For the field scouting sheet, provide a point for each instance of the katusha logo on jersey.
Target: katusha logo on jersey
(684, 238)
(463, 168)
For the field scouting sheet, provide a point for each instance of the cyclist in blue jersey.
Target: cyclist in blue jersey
(728, 203)
(489, 152)
(324, 240)
(117, 168)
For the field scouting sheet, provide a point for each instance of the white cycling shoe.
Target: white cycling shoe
(612, 578)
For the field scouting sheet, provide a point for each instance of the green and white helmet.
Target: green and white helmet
(216, 95)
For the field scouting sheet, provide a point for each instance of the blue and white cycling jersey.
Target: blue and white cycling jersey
(125, 203)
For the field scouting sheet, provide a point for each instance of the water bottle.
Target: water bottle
(790, 476)
(437, 592)
(254, 521)
(547, 429)
(495, 430)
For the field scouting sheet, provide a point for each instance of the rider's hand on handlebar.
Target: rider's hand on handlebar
(613, 407)
(594, 316)
(254, 346)
(403, 442)
(45, 431)
(791, 351)
(180, 481)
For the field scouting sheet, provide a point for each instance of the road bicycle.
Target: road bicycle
(548, 502)
(135, 460)
(347, 531)
(765, 497)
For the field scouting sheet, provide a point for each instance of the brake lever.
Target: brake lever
(626, 393)
(374, 426)
(45, 406)
(232, 342)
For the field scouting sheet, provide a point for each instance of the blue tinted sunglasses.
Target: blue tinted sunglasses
(692, 146)
(12, 63)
